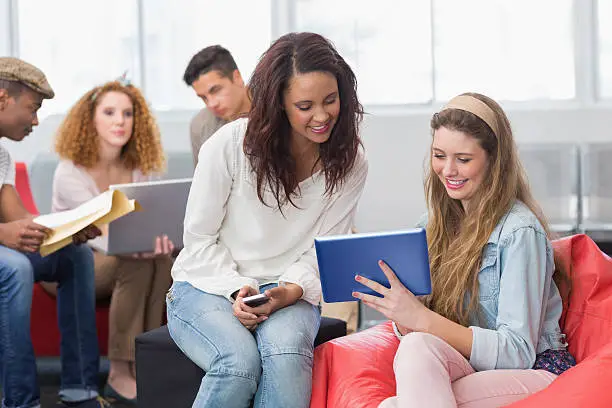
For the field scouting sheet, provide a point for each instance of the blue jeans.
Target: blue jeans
(72, 267)
(273, 364)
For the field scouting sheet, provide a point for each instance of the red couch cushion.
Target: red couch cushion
(22, 185)
(585, 385)
(357, 370)
(587, 318)
(587, 323)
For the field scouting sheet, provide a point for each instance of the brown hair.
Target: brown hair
(268, 134)
(77, 139)
(456, 239)
(212, 58)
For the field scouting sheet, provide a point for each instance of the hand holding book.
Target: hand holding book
(23, 235)
(87, 233)
(99, 211)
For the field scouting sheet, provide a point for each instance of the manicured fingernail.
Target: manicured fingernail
(355, 295)
(357, 277)
(380, 262)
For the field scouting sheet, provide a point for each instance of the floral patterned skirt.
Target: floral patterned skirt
(554, 361)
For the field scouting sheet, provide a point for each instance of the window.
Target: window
(510, 50)
(403, 52)
(175, 31)
(605, 48)
(5, 26)
(387, 43)
(78, 44)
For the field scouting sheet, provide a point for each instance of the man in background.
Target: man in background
(215, 78)
(23, 88)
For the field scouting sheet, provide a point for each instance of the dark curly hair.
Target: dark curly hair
(268, 135)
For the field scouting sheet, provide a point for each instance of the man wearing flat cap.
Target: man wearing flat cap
(23, 88)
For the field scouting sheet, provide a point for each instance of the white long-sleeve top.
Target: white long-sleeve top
(231, 239)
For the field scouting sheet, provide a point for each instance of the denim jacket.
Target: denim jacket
(520, 304)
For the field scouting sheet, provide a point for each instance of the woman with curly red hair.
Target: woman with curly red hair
(110, 137)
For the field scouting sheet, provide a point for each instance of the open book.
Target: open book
(98, 211)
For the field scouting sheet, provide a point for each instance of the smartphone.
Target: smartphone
(256, 300)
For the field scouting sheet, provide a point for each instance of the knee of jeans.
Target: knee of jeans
(81, 256)
(17, 272)
(418, 345)
(238, 360)
(420, 349)
(289, 342)
(419, 340)
(80, 253)
(236, 355)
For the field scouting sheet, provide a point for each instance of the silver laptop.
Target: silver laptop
(163, 212)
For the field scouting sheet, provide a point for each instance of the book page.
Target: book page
(99, 211)
(121, 206)
(51, 248)
(102, 202)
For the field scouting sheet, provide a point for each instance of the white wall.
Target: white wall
(396, 145)
(397, 148)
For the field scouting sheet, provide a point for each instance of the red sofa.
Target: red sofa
(44, 328)
(356, 371)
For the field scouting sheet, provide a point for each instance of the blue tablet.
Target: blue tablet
(341, 257)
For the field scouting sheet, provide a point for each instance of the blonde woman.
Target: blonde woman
(489, 334)
(110, 137)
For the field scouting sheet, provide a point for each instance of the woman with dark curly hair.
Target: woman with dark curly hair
(110, 137)
(264, 187)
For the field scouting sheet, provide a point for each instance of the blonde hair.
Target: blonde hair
(456, 239)
(77, 139)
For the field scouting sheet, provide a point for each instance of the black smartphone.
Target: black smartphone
(256, 300)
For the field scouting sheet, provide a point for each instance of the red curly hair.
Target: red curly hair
(77, 139)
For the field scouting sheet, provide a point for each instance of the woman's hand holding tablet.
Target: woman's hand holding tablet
(397, 303)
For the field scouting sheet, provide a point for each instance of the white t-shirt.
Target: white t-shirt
(7, 167)
(231, 239)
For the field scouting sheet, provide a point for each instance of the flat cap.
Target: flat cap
(14, 69)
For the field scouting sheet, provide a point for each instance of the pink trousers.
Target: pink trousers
(431, 373)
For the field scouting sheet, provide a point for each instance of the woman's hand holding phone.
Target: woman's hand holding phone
(255, 300)
(279, 297)
(243, 312)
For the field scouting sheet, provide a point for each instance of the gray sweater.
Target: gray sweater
(203, 126)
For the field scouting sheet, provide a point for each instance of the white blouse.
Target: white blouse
(231, 239)
(73, 186)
